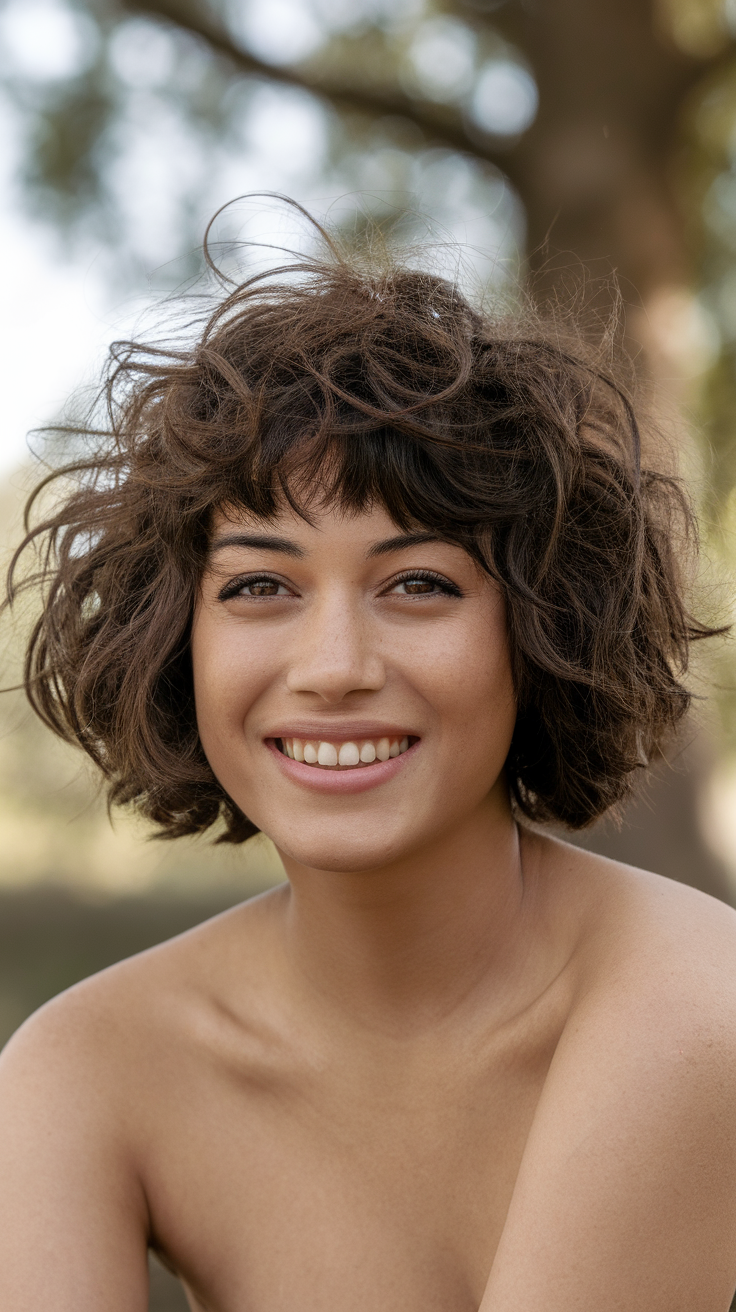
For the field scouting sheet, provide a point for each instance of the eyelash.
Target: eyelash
(420, 575)
(244, 581)
(428, 576)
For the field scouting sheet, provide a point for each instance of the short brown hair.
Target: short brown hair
(366, 388)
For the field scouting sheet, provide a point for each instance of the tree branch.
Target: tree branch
(440, 124)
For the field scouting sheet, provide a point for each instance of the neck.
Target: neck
(413, 940)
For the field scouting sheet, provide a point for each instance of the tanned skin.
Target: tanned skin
(452, 1064)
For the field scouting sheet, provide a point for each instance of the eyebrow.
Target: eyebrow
(402, 542)
(259, 542)
(270, 542)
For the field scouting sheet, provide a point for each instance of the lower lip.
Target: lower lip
(356, 780)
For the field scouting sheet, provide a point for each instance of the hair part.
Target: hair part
(322, 381)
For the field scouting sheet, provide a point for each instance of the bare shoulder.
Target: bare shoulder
(86, 1091)
(158, 1002)
(651, 953)
(631, 1160)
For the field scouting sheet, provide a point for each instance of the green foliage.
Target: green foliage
(63, 168)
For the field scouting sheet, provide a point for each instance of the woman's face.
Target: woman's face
(352, 683)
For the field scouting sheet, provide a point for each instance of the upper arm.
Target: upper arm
(626, 1197)
(73, 1222)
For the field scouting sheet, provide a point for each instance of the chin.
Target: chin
(337, 852)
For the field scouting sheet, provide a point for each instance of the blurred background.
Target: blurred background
(555, 144)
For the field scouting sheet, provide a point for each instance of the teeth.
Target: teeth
(347, 754)
(326, 754)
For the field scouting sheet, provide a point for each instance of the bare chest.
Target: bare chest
(357, 1184)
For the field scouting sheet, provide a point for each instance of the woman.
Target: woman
(383, 579)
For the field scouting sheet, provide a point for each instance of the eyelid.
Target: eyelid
(233, 586)
(443, 583)
(428, 576)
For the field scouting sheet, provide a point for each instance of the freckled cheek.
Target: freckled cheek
(470, 687)
(228, 679)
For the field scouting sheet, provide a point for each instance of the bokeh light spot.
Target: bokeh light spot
(46, 40)
(286, 128)
(442, 57)
(142, 53)
(505, 100)
(277, 31)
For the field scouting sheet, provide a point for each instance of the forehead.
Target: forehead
(331, 533)
(373, 521)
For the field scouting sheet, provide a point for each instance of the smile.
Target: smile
(342, 755)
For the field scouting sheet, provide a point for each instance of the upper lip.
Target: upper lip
(342, 731)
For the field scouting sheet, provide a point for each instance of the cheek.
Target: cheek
(470, 676)
(227, 678)
(207, 678)
(475, 691)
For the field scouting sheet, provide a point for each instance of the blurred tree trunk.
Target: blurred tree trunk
(595, 169)
(661, 828)
(597, 175)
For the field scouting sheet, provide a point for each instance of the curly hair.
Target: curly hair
(365, 388)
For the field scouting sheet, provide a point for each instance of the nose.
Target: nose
(336, 652)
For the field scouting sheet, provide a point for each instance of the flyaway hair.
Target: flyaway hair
(326, 382)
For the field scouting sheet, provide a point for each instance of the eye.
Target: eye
(424, 583)
(254, 585)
